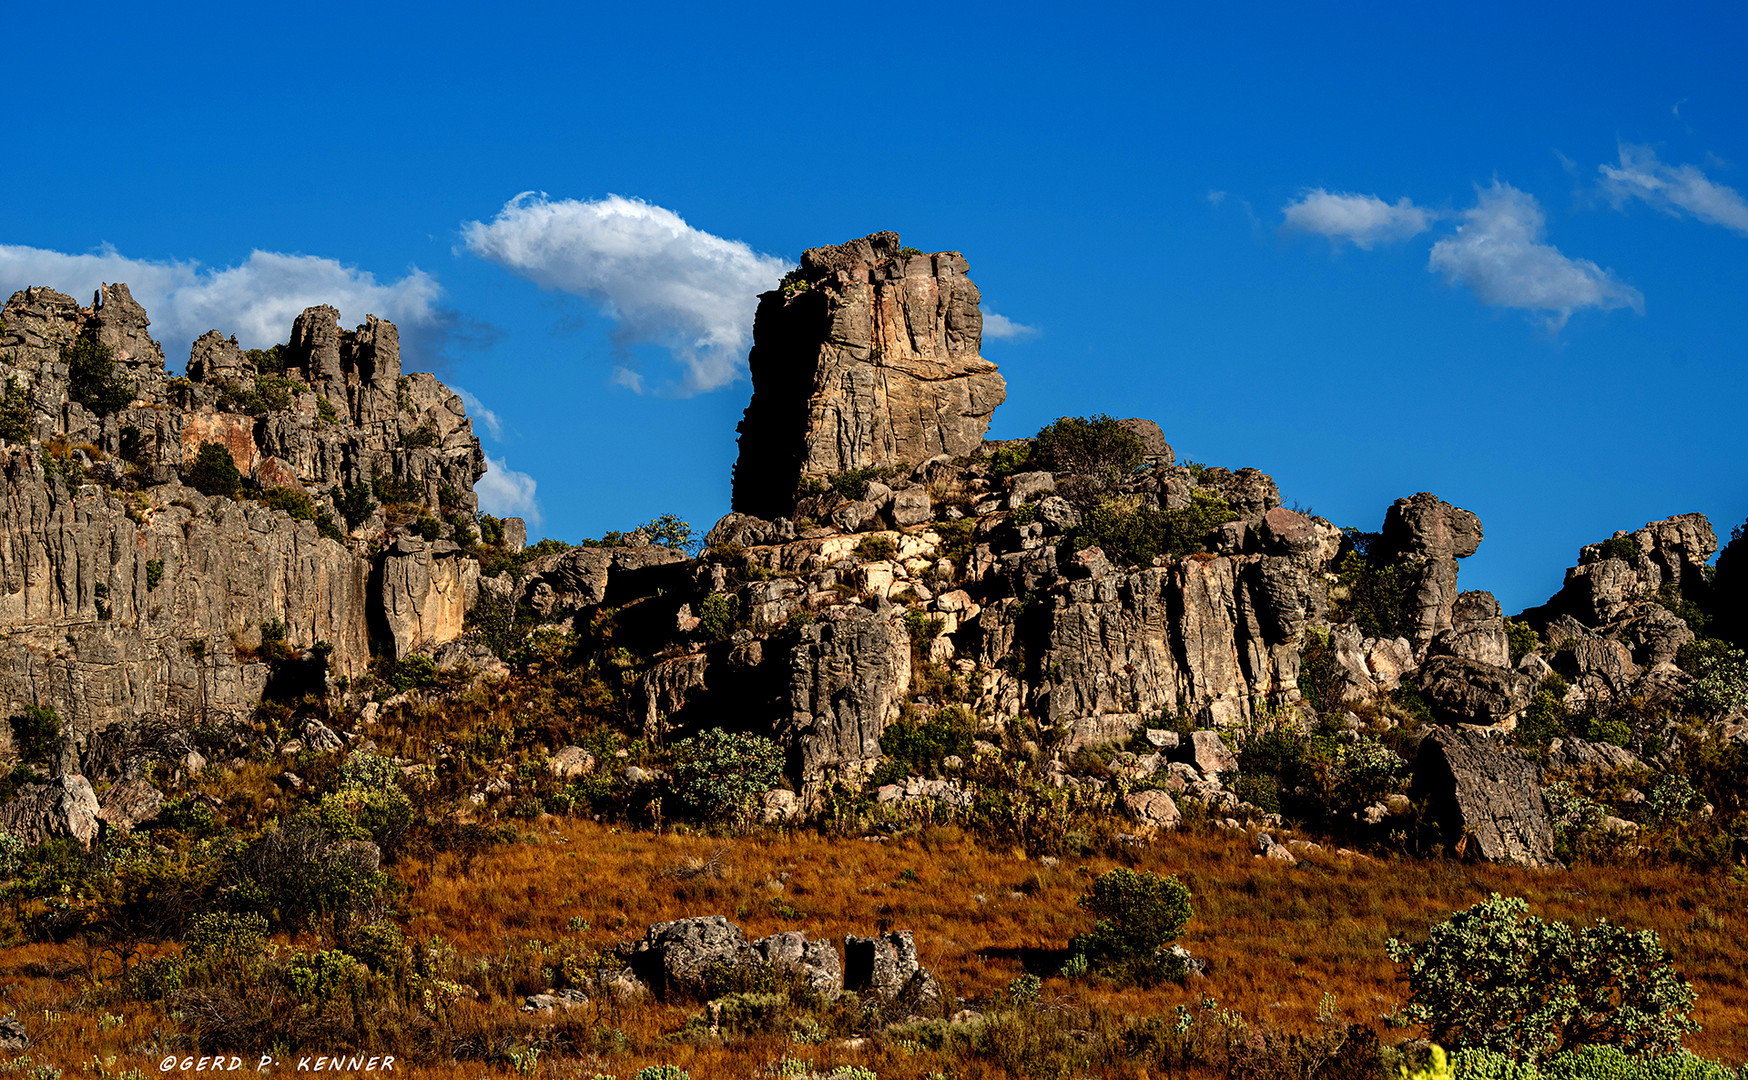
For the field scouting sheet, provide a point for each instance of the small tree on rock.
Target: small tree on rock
(214, 472)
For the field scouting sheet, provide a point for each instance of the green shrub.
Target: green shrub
(293, 501)
(35, 731)
(1620, 547)
(876, 547)
(1546, 718)
(1007, 460)
(1522, 639)
(354, 503)
(154, 573)
(717, 614)
(328, 527)
(91, 378)
(428, 527)
(1371, 593)
(1589, 1063)
(214, 472)
(1138, 915)
(1088, 446)
(917, 748)
(1721, 682)
(670, 531)
(421, 437)
(662, 1072)
(719, 775)
(369, 803)
(1136, 536)
(15, 413)
(1492, 979)
(491, 530)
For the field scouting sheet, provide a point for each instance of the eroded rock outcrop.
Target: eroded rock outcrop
(867, 355)
(128, 597)
(1485, 799)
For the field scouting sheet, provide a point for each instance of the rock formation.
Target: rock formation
(1482, 794)
(130, 601)
(866, 356)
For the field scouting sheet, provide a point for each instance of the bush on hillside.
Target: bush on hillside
(719, 775)
(1135, 536)
(1088, 445)
(1492, 979)
(1139, 914)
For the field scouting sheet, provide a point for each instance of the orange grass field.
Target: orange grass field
(1276, 938)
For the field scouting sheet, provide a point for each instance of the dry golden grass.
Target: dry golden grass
(1276, 938)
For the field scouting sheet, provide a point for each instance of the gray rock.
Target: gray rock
(1468, 692)
(13, 1037)
(872, 361)
(1157, 451)
(846, 682)
(1209, 753)
(909, 507)
(1152, 809)
(1484, 799)
(1429, 535)
(886, 968)
(570, 763)
(129, 802)
(63, 806)
(814, 963)
(675, 959)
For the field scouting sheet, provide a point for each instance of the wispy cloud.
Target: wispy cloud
(504, 492)
(255, 300)
(1363, 220)
(1673, 189)
(1499, 253)
(664, 282)
(477, 409)
(1002, 328)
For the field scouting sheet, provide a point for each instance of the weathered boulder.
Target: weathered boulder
(565, 583)
(1484, 799)
(1621, 577)
(1428, 536)
(426, 591)
(867, 356)
(677, 959)
(1157, 452)
(1463, 691)
(64, 806)
(815, 964)
(1152, 809)
(885, 967)
(129, 802)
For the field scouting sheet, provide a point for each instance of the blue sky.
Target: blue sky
(1496, 253)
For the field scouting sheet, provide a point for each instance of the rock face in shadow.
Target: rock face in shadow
(1485, 799)
(866, 356)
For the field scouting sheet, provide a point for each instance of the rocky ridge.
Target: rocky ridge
(884, 564)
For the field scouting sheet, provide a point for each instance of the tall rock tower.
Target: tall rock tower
(867, 355)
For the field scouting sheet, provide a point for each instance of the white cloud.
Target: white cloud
(504, 492)
(1364, 220)
(255, 300)
(1498, 252)
(1673, 189)
(1003, 328)
(628, 378)
(1216, 197)
(666, 283)
(477, 409)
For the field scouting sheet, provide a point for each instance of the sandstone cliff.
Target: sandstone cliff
(129, 597)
